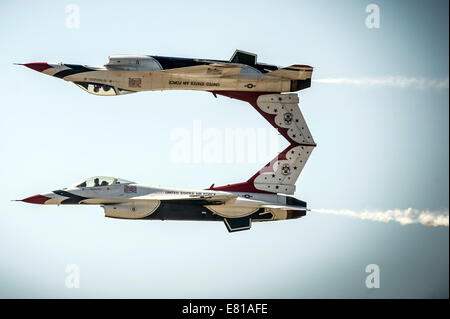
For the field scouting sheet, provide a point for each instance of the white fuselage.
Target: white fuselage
(142, 196)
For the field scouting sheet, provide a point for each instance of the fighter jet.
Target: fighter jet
(125, 199)
(125, 74)
(263, 197)
(237, 205)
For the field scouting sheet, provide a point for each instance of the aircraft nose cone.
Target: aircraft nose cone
(37, 66)
(36, 199)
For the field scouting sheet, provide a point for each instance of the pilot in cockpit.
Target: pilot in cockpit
(96, 182)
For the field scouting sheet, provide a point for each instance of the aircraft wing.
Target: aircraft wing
(143, 206)
(207, 70)
(195, 196)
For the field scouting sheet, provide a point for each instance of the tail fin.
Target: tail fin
(280, 110)
(280, 174)
(283, 112)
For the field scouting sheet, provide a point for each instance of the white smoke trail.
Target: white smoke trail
(392, 81)
(402, 216)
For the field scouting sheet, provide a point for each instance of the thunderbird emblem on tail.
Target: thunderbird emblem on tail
(125, 74)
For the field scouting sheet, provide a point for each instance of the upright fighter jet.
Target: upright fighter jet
(263, 197)
(125, 74)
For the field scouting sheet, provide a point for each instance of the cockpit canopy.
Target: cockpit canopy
(98, 181)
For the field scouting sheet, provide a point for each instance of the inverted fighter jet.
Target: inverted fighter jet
(263, 197)
(125, 74)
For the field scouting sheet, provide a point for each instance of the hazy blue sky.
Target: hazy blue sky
(379, 147)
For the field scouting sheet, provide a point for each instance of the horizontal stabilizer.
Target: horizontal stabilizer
(243, 57)
(237, 224)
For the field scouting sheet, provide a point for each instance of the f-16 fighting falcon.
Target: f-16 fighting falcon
(125, 74)
(263, 197)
